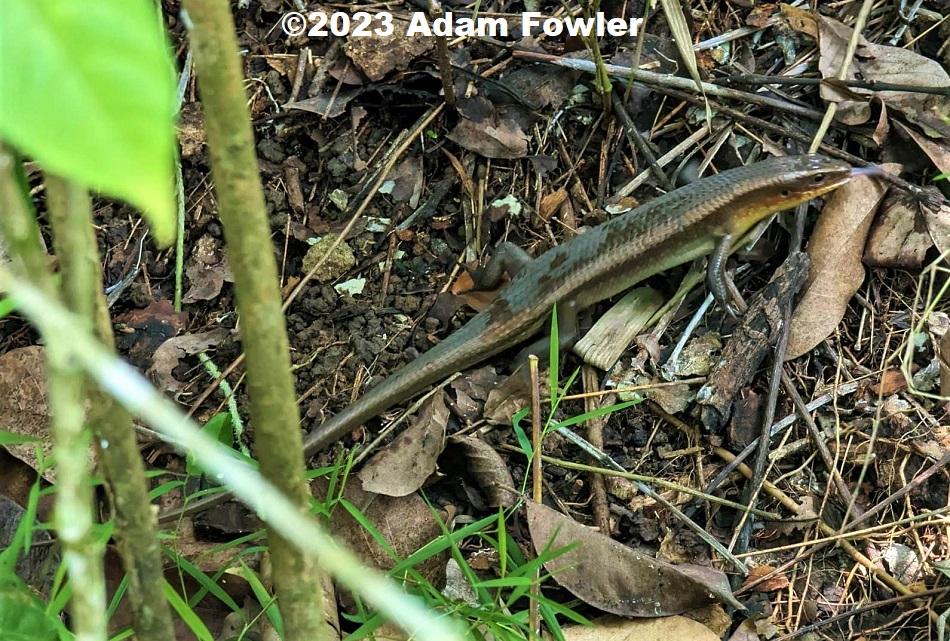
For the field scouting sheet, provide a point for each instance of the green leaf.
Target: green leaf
(12, 438)
(23, 617)
(218, 428)
(86, 89)
(188, 616)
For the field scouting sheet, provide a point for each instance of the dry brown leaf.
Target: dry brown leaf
(614, 628)
(899, 235)
(377, 55)
(480, 462)
(551, 202)
(884, 64)
(776, 582)
(836, 271)
(892, 381)
(406, 523)
(404, 465)
(493, 138)
(142, 331)
(938, 224)
(617, 579)
(24, 402)
(404, 182)
(800, 20)
(747, 631)
(329, 104)
(207, 270)
(170, 352)
(938, 153)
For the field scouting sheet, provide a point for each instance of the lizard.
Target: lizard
(707, 217)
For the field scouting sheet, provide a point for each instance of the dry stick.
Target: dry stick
(402, 143)
(595, 434)
(744, 532)
(864, 608)
(762, 80)
(641, 145)
(844, 494)
(610, 470)
(793, 507)
(672, 86)
(534, 620)
(664, 80)
(776, 428)
(641, 485)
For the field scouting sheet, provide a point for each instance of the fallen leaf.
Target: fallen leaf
(404, 182)
(773, 583)
(477, 460)
(938, 224)
(170, 353)
(899, 236)
(836, 273)
(617, 579)
(406, 524)
(207, 270)
(141, 331)
(747, 630)
(329, 104)
(377, 55)
(404, 465)
(492, 138)
(938, 153)
(614, 628)
(24, 403)
(884, 64)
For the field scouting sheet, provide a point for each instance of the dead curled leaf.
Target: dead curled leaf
(170, 352)
(486, 468)
(402, 467)
(24, 401)
(617, 579)
(493, 138)
(899, 236)
(884, 64)
(835, 248)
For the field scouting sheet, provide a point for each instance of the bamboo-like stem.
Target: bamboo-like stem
(273, 407)
(75, 244)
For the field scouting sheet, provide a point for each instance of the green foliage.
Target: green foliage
(23, 616)
(86, 89)
(499, 608)
(558, 392)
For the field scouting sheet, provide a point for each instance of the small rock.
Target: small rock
(341, 260)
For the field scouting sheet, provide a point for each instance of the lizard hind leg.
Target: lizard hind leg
(508, 258)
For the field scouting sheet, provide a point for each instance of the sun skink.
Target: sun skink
(707, 217)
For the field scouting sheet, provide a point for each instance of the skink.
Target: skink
(708, 216)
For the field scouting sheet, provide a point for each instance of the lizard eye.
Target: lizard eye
(819, 178)
(785, 192)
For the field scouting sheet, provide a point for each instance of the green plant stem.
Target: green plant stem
(273, 407)
(73, 514)
(129, 387)
(76, 249)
